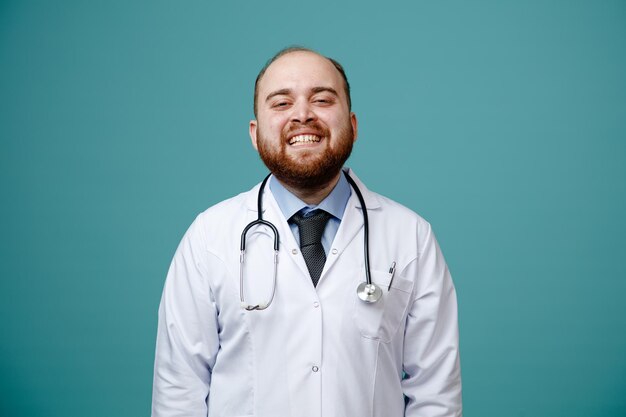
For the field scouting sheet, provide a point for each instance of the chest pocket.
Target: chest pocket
(381, 320)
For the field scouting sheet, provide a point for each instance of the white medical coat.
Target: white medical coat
(315, 352)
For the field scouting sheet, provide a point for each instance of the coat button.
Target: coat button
(315, 368)
(334, 251)
(294, 251)
(316, 304)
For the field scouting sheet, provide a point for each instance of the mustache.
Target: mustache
(315, 126)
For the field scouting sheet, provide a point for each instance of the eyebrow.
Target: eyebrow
(314, 90)
(324, 89)
(281, 92)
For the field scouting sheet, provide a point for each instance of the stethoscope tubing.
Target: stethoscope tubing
(366, 239)
(366, 291)
(260, 220)
(242, 255)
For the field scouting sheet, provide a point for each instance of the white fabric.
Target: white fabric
(315, 352)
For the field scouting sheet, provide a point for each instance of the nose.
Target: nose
(303, 112)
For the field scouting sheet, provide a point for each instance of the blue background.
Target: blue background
(503, 123)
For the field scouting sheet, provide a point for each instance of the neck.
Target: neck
(312, 195)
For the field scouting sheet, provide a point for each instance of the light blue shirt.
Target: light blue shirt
(335, 204)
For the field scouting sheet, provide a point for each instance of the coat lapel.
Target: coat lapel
(351, 223)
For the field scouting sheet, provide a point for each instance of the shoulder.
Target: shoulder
(397, 222)
(381, 206)
(217, 222)
(230, 207)
(392, 218)
(397, 212)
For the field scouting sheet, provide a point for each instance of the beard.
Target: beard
(310, 169)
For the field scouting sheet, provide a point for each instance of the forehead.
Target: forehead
(300, 70)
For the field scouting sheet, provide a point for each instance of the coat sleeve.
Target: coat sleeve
(187, 335)
(432, 382)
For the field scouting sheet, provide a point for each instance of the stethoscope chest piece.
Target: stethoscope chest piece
(370, 293)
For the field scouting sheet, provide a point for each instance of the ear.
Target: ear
(253, 128)
(355, 125)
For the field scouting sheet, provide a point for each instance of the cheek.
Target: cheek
(334, 120)
(266, 129)
(275, 125)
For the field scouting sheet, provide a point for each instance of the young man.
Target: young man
(299, 332)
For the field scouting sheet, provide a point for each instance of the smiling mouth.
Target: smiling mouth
(304, 139)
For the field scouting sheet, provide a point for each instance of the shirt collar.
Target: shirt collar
(335, 203)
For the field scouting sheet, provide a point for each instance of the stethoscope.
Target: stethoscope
(366, 291)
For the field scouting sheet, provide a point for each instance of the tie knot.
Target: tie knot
(311, 226)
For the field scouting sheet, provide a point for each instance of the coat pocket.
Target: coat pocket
(382, 319)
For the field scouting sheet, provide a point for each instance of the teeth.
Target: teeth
(304, 139)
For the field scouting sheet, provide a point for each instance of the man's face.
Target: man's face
(304, 130)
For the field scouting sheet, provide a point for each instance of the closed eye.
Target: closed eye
(280, 104)
(323, 100)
